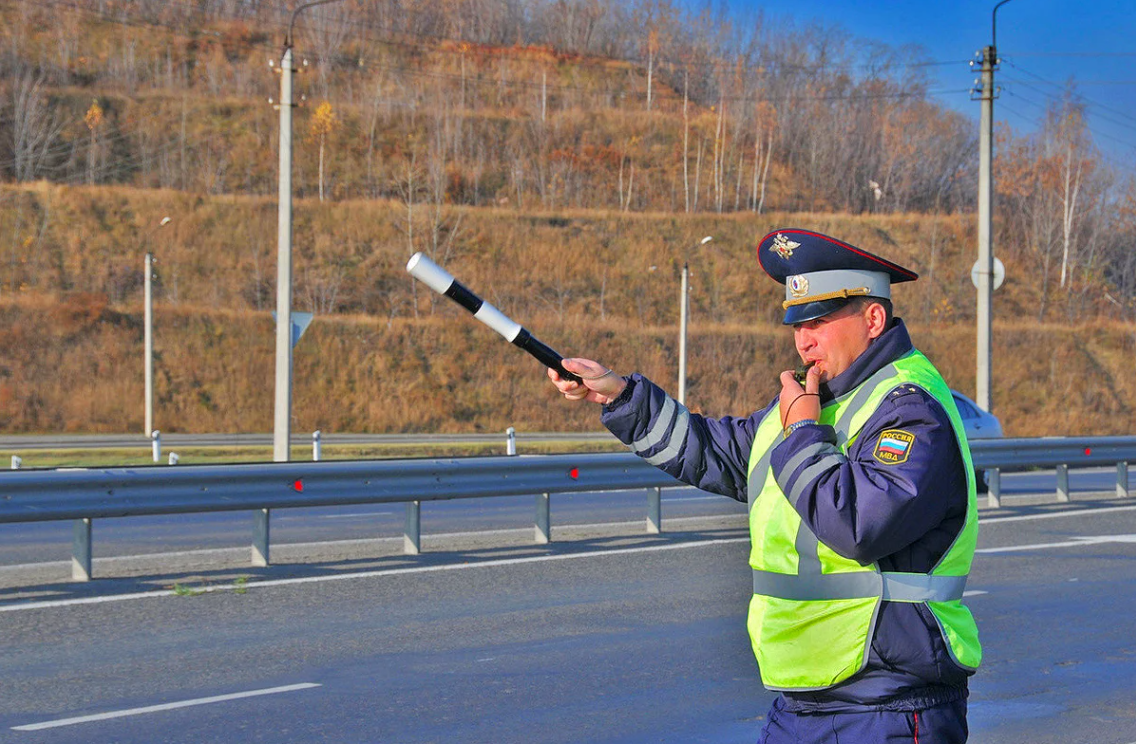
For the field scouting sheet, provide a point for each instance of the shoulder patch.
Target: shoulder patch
(893, 446)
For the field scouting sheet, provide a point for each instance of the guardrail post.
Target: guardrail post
(655, 510)
(1062, 482)
(260, 530)
(16, 462)
(412, 538)
(81, 550)
(1122, 480)
(316, 445)
(543, 519)
(156, 444)
(994, 488)
(510, 441)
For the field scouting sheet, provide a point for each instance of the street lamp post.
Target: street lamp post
(281, 431)
(684, 309)
(282, 417)
(149, 329)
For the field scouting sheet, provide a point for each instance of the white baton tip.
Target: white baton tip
(429, 273)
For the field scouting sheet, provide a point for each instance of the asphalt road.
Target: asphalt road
(616, 639)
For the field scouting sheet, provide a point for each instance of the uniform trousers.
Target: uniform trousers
(940, 724)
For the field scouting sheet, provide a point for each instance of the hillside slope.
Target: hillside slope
(383, 356)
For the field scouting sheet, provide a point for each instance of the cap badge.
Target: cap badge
(784, 247)
(798, 285)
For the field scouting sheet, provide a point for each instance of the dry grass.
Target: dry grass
(388, 356)
(450, 374)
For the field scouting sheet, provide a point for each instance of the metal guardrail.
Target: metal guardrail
(1062, 453)
(85, 494)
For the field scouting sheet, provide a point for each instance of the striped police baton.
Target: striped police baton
(439, 280)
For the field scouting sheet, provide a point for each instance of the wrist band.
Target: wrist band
(798, 424)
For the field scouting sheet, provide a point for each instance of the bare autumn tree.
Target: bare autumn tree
(765, 123)
(329, 27)
(572, 24)
(1070, 149)
(35, 128)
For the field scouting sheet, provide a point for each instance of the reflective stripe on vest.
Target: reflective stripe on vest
(813, 611)
(892, 586)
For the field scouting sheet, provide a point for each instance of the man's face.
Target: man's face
(835, 340)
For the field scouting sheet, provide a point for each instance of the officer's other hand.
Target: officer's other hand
(800, 403)
(600, 384)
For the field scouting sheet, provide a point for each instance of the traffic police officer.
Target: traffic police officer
(862, 511)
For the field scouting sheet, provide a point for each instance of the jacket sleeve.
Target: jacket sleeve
(902, 478)
(710, 454)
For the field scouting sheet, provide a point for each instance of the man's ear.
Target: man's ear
(876, 316)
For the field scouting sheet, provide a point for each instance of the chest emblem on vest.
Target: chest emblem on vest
(894, 446)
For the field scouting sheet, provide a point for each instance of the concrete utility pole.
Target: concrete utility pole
(148, 317)
(282, 421)
(684, 310)
(283, 410)
(149, 323)
(985, 253)
(281, 431)
(982, 384)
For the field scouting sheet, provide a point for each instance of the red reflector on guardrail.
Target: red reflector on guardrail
(299, 486)
(574, 473)
(1088, 451)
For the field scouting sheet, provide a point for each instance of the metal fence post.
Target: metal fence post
(510, 441)
(1122, 480)
(412, 537)
(543, 519)
(260, 529)
(994, 488)
(16, 462)
(81, 550)
(655, 510)
(1063, 482)
(156, 444)
(316, 445)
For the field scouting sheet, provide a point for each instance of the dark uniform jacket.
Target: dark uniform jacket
(905, 516)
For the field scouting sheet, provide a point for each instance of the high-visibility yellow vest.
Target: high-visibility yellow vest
(813, 611)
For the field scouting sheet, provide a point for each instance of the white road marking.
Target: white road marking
(1058, 515)
(159, 708)
(368, 574)
(974, 592)
(1075, 542)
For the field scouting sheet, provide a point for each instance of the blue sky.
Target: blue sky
(1042, 44)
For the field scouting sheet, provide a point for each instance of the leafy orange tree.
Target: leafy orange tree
(94, 120)
(324, 122)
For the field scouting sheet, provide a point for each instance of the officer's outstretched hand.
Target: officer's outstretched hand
(799, 403)
(600, 385)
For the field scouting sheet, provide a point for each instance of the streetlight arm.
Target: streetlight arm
(305, 6)
(994, 24)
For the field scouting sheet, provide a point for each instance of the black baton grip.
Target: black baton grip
(547, 356)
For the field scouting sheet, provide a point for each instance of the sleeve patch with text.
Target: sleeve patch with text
(894, 446)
